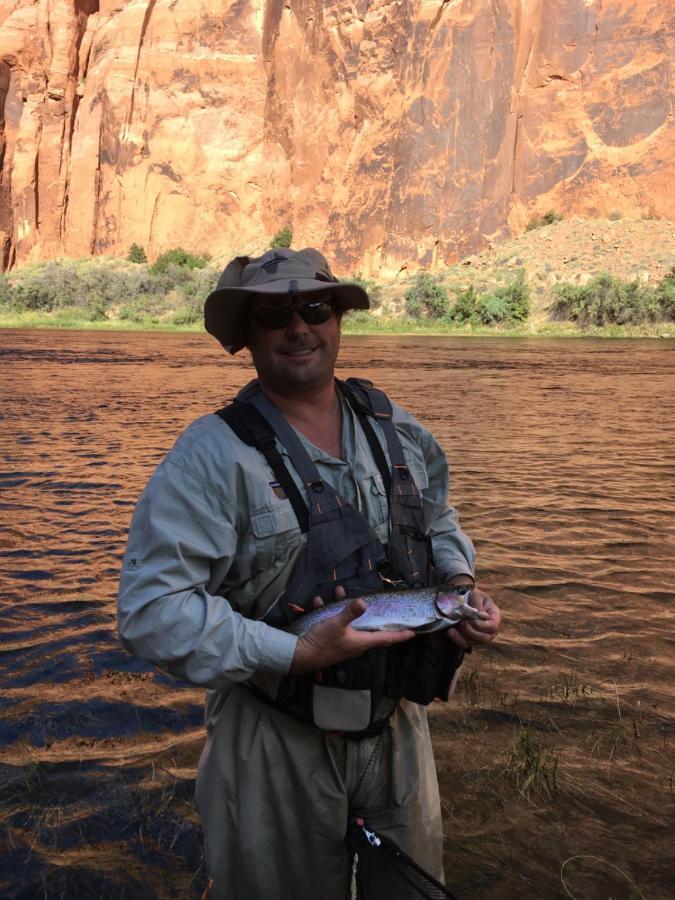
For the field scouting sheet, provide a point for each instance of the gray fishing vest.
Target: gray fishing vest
(356, 696)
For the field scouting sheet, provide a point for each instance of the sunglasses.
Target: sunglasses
(313, 312)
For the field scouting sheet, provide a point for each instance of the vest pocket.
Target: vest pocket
(334, 709)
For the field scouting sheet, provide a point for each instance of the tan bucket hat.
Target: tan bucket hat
(271, 273)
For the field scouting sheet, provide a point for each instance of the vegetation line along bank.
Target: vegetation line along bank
(170, 292)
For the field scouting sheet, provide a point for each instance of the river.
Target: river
(563, 471)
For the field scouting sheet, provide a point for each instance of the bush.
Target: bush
(43, 287)
(464, 309)
(492, 309)
(665, 296)
(506, 305)
(5, 292)
(187, 315)
(136, 254)
(282, 238)
(145, 309)
(606, 300)
(96, 309)
(426, 296)
(178, 258)
(97, 288)
(549, 218)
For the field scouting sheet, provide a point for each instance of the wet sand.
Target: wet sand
(556, 755)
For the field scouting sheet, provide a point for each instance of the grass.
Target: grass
(532, 766)
(569, 788)
(361, 323)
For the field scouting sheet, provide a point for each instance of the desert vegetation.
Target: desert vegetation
(549, 218)
(171, 291)
(606, 300)
(572, 277)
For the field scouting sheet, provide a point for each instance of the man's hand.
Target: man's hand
(334, 640)
(477, 633)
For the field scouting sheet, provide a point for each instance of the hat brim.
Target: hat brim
(224, 307)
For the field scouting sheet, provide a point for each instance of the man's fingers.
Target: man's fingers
(458, 639)
(387, 638)
(339, 593)
(355, 609)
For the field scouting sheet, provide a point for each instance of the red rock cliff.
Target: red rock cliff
(392, 134)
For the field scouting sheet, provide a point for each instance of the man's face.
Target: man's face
(298, 356)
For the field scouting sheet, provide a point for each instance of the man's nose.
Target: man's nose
(297, 325)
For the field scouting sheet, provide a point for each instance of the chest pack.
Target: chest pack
(359, 695)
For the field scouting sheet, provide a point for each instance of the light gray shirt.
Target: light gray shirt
(213, 541)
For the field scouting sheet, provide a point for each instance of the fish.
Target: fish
(423, 610)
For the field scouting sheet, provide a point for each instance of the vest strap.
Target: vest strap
(252, 429)
(374, 444)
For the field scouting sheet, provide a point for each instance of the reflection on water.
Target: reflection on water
(563, 472)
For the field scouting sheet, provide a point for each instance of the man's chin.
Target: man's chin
(311, 373)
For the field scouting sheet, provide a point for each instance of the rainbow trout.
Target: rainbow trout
(421, 609)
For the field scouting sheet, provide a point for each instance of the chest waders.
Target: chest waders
(356, 696)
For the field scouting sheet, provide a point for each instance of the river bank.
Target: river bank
(365, 325)
(575, 278)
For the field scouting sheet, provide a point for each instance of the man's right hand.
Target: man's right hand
(334, 640)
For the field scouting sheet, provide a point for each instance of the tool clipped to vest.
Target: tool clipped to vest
(356, 696)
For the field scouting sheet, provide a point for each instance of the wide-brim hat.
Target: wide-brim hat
(275, 272)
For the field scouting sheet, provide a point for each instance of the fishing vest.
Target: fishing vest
(356, 696)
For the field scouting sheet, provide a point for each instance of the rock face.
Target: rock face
(393, 134)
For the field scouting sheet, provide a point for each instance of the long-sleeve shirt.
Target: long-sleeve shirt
(213, 541)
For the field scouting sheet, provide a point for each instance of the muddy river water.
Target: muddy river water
(556, 756)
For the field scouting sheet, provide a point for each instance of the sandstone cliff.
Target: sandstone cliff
(392, 133)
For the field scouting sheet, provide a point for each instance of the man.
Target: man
(301, 490)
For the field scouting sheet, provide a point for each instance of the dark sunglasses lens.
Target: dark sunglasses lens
(315, 313)
(278, 317)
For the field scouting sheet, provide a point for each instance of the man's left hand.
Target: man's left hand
(477, 633)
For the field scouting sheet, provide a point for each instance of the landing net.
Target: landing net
(384, 872)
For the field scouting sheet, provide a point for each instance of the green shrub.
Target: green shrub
(506, 305)
(606, 300)
(549, 218)
(178, 258)
(145, 309)
(282, 238)
(426, 296)
(43, 287)
(665, 296)
(136, 254)
(5, 292)
(96, 308)
(187, 315)
(464, 309)
(359, 318)
(492, 309)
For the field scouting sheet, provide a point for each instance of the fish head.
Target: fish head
(449, 599)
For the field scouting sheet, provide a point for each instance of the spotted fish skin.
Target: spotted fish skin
(420, 609)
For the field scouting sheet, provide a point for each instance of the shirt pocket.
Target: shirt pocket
(275, 533)
(417, 467)
(377, 499)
